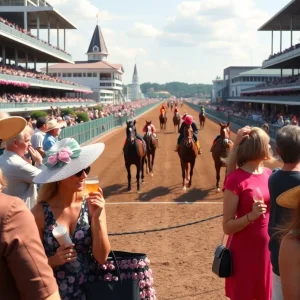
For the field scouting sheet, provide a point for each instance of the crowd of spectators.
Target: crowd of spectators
(17, 27)
(297, 46)
(31, 73)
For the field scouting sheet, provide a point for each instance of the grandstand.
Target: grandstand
(21, 85)
(278, 95)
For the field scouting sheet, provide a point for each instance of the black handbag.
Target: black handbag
(124, 276)
(222, 264)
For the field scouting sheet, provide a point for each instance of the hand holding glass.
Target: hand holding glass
(91, 185)
(258, 197)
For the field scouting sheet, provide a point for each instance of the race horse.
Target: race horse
(181, 104)
(172, 104)
(163, 121)
(176, 121)
(202, 120)
(134, 154)
(187, 152)
(221, 149)
(151, 143)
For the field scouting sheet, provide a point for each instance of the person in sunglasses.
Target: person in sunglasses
(61, 202)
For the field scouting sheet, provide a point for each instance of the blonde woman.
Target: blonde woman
(289, 255)
(245, 220)
(60, 202)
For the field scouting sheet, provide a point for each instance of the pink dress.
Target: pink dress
(252, 274)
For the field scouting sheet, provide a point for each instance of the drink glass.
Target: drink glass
(62, 236)
(91, 185)
(258, 197)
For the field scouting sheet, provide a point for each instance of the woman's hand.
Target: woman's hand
(258, 209)
(96, 204)
(241, 135)
(64, 254)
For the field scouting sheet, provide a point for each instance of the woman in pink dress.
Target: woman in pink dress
(246, 221)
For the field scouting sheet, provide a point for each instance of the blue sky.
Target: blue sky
(173, 40)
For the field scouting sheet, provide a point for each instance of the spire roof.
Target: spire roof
(97, 43)
(135, 71)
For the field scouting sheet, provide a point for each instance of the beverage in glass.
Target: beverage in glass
(91, 184)
(258, 197)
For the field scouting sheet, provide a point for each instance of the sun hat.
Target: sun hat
(188, 120)
(52, 124)
(66, 158)
(11, 126)
(290, 198)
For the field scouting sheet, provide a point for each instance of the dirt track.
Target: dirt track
(180, 258)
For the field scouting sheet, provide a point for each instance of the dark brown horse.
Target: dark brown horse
(163, 121)
(176, 121)
(134, 154)
(152, 144)
(221, 149)
(187, 152)
(202, 120)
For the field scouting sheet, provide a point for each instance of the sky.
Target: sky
(174, 40)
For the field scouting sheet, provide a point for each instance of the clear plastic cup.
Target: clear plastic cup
(62, 236)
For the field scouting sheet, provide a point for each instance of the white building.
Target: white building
(217, 90)
(104, 78)
(134, 90)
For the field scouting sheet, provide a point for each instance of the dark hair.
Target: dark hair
(288, 144)
(40, 122)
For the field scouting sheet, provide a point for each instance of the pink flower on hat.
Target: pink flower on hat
(63, 155)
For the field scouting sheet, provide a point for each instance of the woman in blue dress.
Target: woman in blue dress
(61, 201)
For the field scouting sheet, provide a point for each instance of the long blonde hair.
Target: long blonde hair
(47, 191)
(254, 147)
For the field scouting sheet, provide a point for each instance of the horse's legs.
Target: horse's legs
(147, 162)
(183, 165)
(128, 177)
(218, 169)
(138, 171)
(152, 162)
(142, 168)
(191, 172)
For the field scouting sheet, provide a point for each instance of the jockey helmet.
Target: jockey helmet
(188, 120)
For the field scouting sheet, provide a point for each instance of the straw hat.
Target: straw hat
(66, 158)
(11, 126)
(52, 124)
(290, 198)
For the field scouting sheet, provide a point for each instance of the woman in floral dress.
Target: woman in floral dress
(61, 202)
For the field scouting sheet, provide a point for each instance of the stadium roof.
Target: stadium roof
(265, 72)
(283, 18)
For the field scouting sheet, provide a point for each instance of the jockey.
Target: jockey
(153, 129)
(188, 121)
(163, 109)
(202, 110)
(176, 110)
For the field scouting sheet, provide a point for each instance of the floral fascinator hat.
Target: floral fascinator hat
(66, 158)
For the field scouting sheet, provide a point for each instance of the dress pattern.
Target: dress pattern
(71, 276)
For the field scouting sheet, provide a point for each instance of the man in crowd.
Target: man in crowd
(25, 272)
(16, 169)
(39, 135)
(288, 148)
(53, 131)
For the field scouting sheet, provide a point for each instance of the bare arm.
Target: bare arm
(232, 225)
(289, 266)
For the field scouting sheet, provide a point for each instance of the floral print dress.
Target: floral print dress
(71, 276)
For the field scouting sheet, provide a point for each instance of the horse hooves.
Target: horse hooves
(218, 190)
(143, 182)
(184, 189)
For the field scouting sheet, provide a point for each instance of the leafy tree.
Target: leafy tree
(82, 117)
(38, 114)
(67, 111)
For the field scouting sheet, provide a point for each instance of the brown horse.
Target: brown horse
(176, 121)
(163, 121)
(221, 149)
(152, 144)
(202, 120)
(134, 154)
(187, 152)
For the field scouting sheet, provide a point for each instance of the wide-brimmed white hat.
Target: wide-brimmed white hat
(66, 158)
(290, 198)
(11, 126)
(52, 124)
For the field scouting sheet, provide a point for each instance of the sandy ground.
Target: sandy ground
(180, 258)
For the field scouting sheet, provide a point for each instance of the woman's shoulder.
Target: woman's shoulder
(267, 171)
(290, 244)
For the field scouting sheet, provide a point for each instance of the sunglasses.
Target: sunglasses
(86, 171)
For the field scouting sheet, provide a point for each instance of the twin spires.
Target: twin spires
(97, 49)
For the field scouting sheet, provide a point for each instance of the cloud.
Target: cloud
(149, 64)
(144, 30)
(127, 53)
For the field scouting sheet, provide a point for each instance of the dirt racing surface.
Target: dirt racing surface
(181, 258)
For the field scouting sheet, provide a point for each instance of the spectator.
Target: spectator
(17, 170)
(25, 273)
(52, 133)
(29, 121)
(39, 135)
(288, 148)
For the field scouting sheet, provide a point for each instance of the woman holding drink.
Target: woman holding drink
(246, 216)
(71, 220)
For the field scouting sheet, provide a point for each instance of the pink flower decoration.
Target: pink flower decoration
(142, 294)
(134, 261)
(103, 267)
(108, 277)
(141, 275)
(134, 276)
(52, 160)
(115, 278)
(64, 155)
(142, 284)
(111, 267)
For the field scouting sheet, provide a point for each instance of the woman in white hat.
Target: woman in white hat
(61, 202)
(289, 255)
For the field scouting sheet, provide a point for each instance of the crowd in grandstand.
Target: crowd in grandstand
(30, 73)
(297, 46)
(17, 27)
